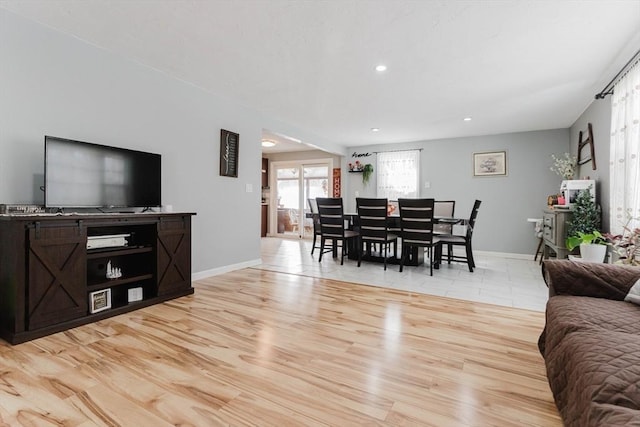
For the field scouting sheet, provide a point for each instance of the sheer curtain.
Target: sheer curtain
(625, 149)
(397, 174)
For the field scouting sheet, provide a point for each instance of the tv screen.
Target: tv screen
(80, 174)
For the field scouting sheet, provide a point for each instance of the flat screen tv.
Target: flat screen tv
(85, 175)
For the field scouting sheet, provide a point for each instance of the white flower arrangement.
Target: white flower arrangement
(564, 166)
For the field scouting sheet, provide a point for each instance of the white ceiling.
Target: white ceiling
(513, 65)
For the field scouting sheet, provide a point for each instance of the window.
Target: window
(397, 175)
(624, 172)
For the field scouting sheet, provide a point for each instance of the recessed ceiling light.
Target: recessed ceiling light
(467, 119)
(381, 68)
(268, 143)
(375, 130)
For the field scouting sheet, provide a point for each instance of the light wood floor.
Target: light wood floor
(261, 348)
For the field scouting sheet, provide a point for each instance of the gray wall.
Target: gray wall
(507, 202)
(599, 115)
(54, 84)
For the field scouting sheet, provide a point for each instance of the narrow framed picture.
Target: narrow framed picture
(492, 163)
(229, 148)
(99, 301)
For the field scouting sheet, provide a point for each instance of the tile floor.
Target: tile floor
(497, 280)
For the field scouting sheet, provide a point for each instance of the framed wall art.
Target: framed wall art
(229, 148)
(490, 164)
(99, 301)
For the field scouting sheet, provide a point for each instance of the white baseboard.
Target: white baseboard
(505, 255)
(225, 269)
(459, 250)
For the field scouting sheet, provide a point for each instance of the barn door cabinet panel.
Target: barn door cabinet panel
(56, 267)
(174, 254)
(50, 281)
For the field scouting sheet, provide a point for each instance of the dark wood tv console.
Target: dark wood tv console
(51, 282)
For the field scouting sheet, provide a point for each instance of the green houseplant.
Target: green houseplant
(584, 228)
(593, 238)
(366, 173)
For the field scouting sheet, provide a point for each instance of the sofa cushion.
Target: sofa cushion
(595, 378)
(591, 279)
(567, 313)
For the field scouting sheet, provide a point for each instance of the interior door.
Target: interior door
(288, 200)
(295, 182)
(316, 184)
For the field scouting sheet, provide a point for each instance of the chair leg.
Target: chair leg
(313, 247)
(404, 252)
(473, 261)
(386, 245)
(322, 240)
(538, 251)
(470, 262)
(360, 250)
(430, 261)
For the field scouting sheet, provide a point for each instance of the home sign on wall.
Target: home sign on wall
(229, 148)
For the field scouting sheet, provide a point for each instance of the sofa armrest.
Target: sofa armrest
(611, 281)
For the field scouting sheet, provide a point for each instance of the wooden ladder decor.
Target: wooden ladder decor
(585, 156)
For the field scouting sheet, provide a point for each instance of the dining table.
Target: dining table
(416, 255)
(414, 258)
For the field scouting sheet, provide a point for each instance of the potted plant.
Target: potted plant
(583, 229)
(626, 246)
(367, 170)
(593, 246)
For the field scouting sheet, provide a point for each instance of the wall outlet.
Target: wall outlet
(357, 194)
(427, 184)
(249, 188)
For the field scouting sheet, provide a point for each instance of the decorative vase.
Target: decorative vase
(592, 252)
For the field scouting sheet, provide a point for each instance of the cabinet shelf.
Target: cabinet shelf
(111, 252)
(110, 283)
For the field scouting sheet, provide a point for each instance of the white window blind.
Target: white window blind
(397, 175)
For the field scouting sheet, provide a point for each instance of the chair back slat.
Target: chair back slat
(372, 218)
(416, 221)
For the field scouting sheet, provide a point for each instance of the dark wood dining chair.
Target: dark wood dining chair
(465, 241)
(315, 215)
(332, 226)
(446, 209)
(416, 222)
(372, 216)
